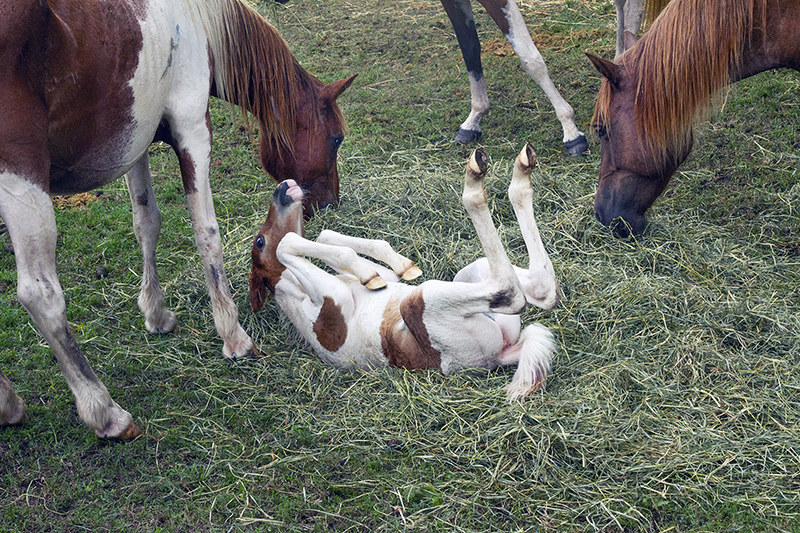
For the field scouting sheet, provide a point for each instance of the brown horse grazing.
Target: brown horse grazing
(86, 86)
(654, 92)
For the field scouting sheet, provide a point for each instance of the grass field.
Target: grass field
(674, 401)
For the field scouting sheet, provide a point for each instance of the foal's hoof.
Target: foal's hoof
(412, 272)
(467, 136)
(375, 282)
(577, 146)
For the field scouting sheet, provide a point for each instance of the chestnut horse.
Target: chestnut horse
(472, 322)
(86, 86)
(651, 96)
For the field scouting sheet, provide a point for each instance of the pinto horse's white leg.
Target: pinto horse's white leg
(539, 280)
(146, 227)
(192, 144)
(508, 18)
(28, 214)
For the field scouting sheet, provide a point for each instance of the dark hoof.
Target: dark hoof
(577, 146)
(467, 136)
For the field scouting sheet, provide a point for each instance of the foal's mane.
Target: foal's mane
(254, 67)
(692, 50)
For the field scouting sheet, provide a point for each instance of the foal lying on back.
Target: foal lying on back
(471, 322)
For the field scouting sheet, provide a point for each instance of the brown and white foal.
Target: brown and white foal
(366, 318)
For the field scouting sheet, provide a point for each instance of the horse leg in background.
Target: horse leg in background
(539, 280)
(402, 267)
(508, 18)
(192, 144)
(146, 227)
(28, 214)
(629, 18)
(460, 14)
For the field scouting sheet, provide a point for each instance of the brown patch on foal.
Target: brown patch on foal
(409, 347)
(330, 326)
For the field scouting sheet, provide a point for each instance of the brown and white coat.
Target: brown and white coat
(365, 317)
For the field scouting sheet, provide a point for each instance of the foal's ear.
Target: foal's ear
(258, 292)
(333, 90)
(608, 69)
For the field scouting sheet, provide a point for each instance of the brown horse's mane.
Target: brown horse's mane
(255, 69)
(691, 51)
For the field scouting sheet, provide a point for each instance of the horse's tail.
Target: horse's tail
(535, 350)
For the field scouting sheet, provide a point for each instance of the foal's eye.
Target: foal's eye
(260, 242)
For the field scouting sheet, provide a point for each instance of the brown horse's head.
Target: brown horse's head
(633, 172)
(318, 133)
(285, 216)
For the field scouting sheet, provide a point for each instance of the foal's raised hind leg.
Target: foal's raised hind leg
(146, 227)
(539, 280)
(509, 298)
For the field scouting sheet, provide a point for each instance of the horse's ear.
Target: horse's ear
(333, 90)
(630, 40)
(608, 69)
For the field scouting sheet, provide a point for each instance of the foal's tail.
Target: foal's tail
(533, 354)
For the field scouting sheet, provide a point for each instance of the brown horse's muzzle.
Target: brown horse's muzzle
(620, 205)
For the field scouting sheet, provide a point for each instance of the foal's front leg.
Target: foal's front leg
(340, 258)
(377, 249)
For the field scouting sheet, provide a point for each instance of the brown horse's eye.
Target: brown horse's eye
(337, 141)
(601, 131)
(260, 242)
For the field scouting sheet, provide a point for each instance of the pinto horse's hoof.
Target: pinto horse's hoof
(577, 146)
(129, 434)
(468, 136)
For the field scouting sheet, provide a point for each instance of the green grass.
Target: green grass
(673, 402)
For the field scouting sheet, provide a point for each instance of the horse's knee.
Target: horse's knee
(40, 296)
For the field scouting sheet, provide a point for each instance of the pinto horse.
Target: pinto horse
(652, 95)
(86, 87)
(472, 322)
